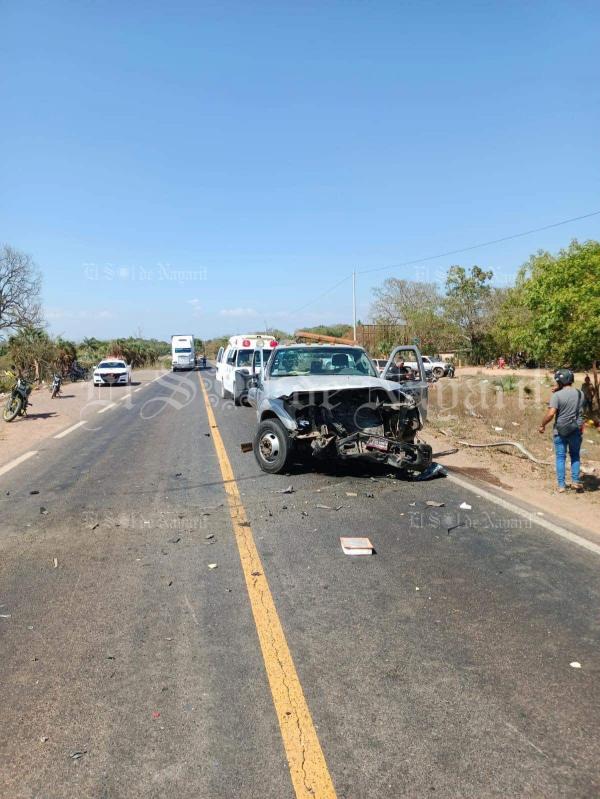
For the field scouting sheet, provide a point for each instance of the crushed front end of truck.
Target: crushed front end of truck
(367, 423)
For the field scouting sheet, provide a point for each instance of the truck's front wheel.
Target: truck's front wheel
(272, 446)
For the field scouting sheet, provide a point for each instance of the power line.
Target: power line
(482, 244)
(446, 254)
(323, 294)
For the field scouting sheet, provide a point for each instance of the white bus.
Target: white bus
(183, 353)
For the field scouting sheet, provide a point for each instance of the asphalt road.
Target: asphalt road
(440, 666)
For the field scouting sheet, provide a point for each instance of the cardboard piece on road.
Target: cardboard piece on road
(356, 546)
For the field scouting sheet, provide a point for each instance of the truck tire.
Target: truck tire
(438, 371)
(272, 446)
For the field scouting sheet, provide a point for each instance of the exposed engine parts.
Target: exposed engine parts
(358, 423)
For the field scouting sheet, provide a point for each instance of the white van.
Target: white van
(183, 352)
(234, 363)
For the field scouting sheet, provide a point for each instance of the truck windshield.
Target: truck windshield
(321, 361)
(244, 357)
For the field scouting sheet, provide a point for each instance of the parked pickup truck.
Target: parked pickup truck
(328, 401)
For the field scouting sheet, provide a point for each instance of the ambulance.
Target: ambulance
(234, 363)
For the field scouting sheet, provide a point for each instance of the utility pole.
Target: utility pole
(354, 303)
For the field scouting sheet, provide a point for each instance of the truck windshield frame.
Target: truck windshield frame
(321, 362)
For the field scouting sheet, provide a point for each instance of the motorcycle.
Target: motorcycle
(55, 388)
(17, 403)
(77, 372)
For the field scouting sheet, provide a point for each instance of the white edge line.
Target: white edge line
(107, 407)
(504, 503)
(69, 430)
(11, 464)
(124, 397)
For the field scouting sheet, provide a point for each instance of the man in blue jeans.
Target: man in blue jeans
(565, 409)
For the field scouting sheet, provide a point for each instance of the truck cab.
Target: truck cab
(183, 354)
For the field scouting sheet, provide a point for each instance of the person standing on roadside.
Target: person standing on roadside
(565, 408)
(588, 394)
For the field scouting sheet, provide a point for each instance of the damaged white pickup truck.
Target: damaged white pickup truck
(328, 401)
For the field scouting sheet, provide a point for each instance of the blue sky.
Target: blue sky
(214, 166)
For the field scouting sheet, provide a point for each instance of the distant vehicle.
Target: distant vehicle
(77, 372)
(234, 363)
(381, 364)
(438, 367)
(327, 401)
(112, 373)
(183, 354)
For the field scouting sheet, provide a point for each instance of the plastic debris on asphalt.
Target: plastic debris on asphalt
(433, 504)
(246, 447)
(464, 506)
(79, 753)
(356, 546)
(575, 664)
(212, 565)
(288, 490)
(55, 563)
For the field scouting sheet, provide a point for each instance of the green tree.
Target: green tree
(509, 321)
(562, 294)
(467, 305)
(33, 352)
(339, 331)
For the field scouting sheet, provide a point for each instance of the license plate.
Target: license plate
(381, 444)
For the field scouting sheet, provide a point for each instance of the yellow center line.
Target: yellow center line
(308, 769)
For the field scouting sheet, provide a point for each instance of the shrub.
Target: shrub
(508, 384)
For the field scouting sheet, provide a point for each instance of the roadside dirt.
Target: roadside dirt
(474, 408)
(47, 417)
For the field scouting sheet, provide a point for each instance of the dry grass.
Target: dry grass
(471, 407)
